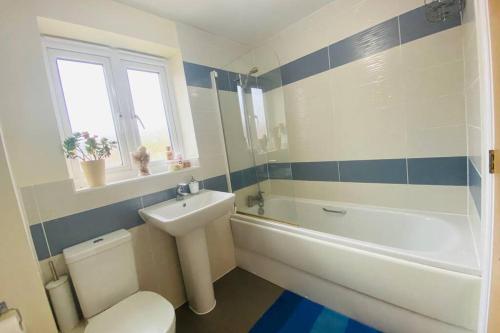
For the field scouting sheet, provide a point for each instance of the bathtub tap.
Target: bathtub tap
(258, 199)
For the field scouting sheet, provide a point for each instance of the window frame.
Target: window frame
(115, 63)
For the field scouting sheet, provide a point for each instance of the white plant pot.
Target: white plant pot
(95, 172)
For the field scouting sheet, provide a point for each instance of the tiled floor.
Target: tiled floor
(241, 299)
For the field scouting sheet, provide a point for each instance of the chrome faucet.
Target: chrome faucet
(253, 200)
(180, 191)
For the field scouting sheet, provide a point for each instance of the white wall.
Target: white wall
(20, 280)
(205, 48)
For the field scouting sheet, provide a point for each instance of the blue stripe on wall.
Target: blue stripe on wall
(376, 39)
(218, 183)
(73, 229)
(80, 227)
(414, 25)
(316, 171)
(438, 171)
(475, 186)
(399, 30)
(308, 65)
(199, 76)
(420, 171)
(243, 178)
(270, 80)
(280, 171)
(42, 251)
(392, 171)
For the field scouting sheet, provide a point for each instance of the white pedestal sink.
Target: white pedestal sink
(186, 220)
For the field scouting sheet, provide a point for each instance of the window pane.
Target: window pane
(149, 107)
(87, 101)
(259, 113)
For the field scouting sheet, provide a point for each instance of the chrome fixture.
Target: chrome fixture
(244, 81)
(336, 211)
(442, 10)
(5, 309)
(258, 199)
(181, 191)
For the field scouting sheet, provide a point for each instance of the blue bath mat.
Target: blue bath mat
(292, 313)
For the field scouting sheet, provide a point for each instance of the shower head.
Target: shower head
(244, 81)
(442, 10)
(253, 70)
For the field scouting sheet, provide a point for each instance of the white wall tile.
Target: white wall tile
(448, 199)
(473, 104)
(437, 141)
(309, 116)
(440, 48)
(434, 81)
(30, 205)
(447, 110)
(474, 146)
(334, 22)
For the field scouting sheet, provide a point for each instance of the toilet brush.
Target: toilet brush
(62, 300)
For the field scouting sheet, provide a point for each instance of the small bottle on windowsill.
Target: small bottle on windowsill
(170, 153)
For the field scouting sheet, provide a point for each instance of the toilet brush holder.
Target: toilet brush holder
(63, 303)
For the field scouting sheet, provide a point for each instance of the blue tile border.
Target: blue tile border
(450, 171)
(389, 171)
(311, 64)
(80, 227)
(475, 186)
(199, 76)
(396, 31)
(70, 230)
(413, 25)
(270, 80)
(316, 171)
(243, 178)
(376, 39)
(218, 183)
(41, 248)
(280, 171)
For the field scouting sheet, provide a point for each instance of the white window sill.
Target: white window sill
(136, 179)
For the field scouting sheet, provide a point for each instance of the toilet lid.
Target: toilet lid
(144, 312)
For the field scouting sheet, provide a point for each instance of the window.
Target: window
(117, 94)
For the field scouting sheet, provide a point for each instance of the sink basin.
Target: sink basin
(186, 221)
(178, 218)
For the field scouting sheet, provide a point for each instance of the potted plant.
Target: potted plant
(91, 151)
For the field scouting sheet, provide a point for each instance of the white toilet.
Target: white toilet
(105, 278)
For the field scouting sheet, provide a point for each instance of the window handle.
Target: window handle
(139, 120)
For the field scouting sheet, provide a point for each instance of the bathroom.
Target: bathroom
(249, 166)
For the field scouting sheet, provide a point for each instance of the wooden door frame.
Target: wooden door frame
(494, 281)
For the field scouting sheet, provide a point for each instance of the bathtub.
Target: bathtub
(385, 267)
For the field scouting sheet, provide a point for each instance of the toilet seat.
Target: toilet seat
(144, 312)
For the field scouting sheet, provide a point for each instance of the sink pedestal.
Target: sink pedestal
(186, 221)
(193, 255)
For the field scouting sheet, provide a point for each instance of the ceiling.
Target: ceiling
(245, 21)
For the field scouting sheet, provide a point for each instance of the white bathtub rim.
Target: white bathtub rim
(361, 246)
(367, 206)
